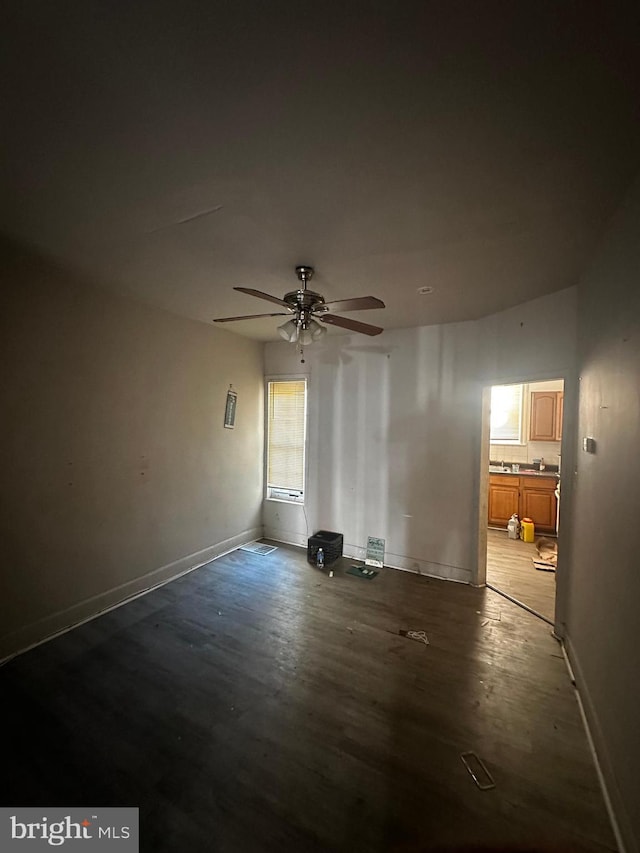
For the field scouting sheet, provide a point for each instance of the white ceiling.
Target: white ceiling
(478, 148)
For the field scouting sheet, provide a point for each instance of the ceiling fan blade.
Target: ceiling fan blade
(249, 317)
(352, 325)
(360, 303)
(262, 295)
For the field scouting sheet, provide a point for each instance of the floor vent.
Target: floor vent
(258, 548)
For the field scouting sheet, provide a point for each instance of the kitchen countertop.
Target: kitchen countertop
(525, 473)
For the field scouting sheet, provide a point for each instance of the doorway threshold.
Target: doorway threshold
(521, 604)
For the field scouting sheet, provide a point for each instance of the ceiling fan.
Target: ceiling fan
(305, 308)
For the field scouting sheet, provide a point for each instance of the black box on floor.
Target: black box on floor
(331, 544)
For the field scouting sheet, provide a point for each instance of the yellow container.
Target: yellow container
(527, 530)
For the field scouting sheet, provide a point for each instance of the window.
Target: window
(286, 426)
(506, 414)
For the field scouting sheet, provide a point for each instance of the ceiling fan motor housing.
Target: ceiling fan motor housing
(304, 301)
(301, 299)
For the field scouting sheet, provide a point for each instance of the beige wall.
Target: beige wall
(603, 584)
(115, 460)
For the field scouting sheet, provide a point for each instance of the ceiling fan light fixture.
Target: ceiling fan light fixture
(306, 337)
(289, 331)
(310, 332)
(317, 330)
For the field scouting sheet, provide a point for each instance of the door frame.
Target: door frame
(568, 475)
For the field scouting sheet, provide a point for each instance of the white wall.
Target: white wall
(117, 471)
(527, 452)
(531, 342)
(395, 425)
(371, 404)
(603, 591)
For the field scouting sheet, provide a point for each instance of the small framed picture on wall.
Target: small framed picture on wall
(230, 410)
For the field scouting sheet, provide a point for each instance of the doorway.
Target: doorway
(525, 463)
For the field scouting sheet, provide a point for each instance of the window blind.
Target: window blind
(286, 435)
(506, 413)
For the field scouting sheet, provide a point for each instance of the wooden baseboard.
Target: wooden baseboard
(52, 625)
(597, 744)
(391, 561)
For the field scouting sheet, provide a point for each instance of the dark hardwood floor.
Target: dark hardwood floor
(258, 705)
(510, 568)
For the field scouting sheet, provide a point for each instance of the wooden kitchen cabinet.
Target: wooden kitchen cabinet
(545, 421)
(542, 422)
(538, 502)
(504, 499)
(529, 497)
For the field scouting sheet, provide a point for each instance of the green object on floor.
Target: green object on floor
(362, 572)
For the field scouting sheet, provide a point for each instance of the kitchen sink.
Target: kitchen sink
(499, 469)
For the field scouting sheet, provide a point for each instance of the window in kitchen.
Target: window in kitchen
(286, 430)
(506, 414)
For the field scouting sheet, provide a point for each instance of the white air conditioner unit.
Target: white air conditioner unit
(286, 494)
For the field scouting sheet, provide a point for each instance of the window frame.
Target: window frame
(280, 494)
